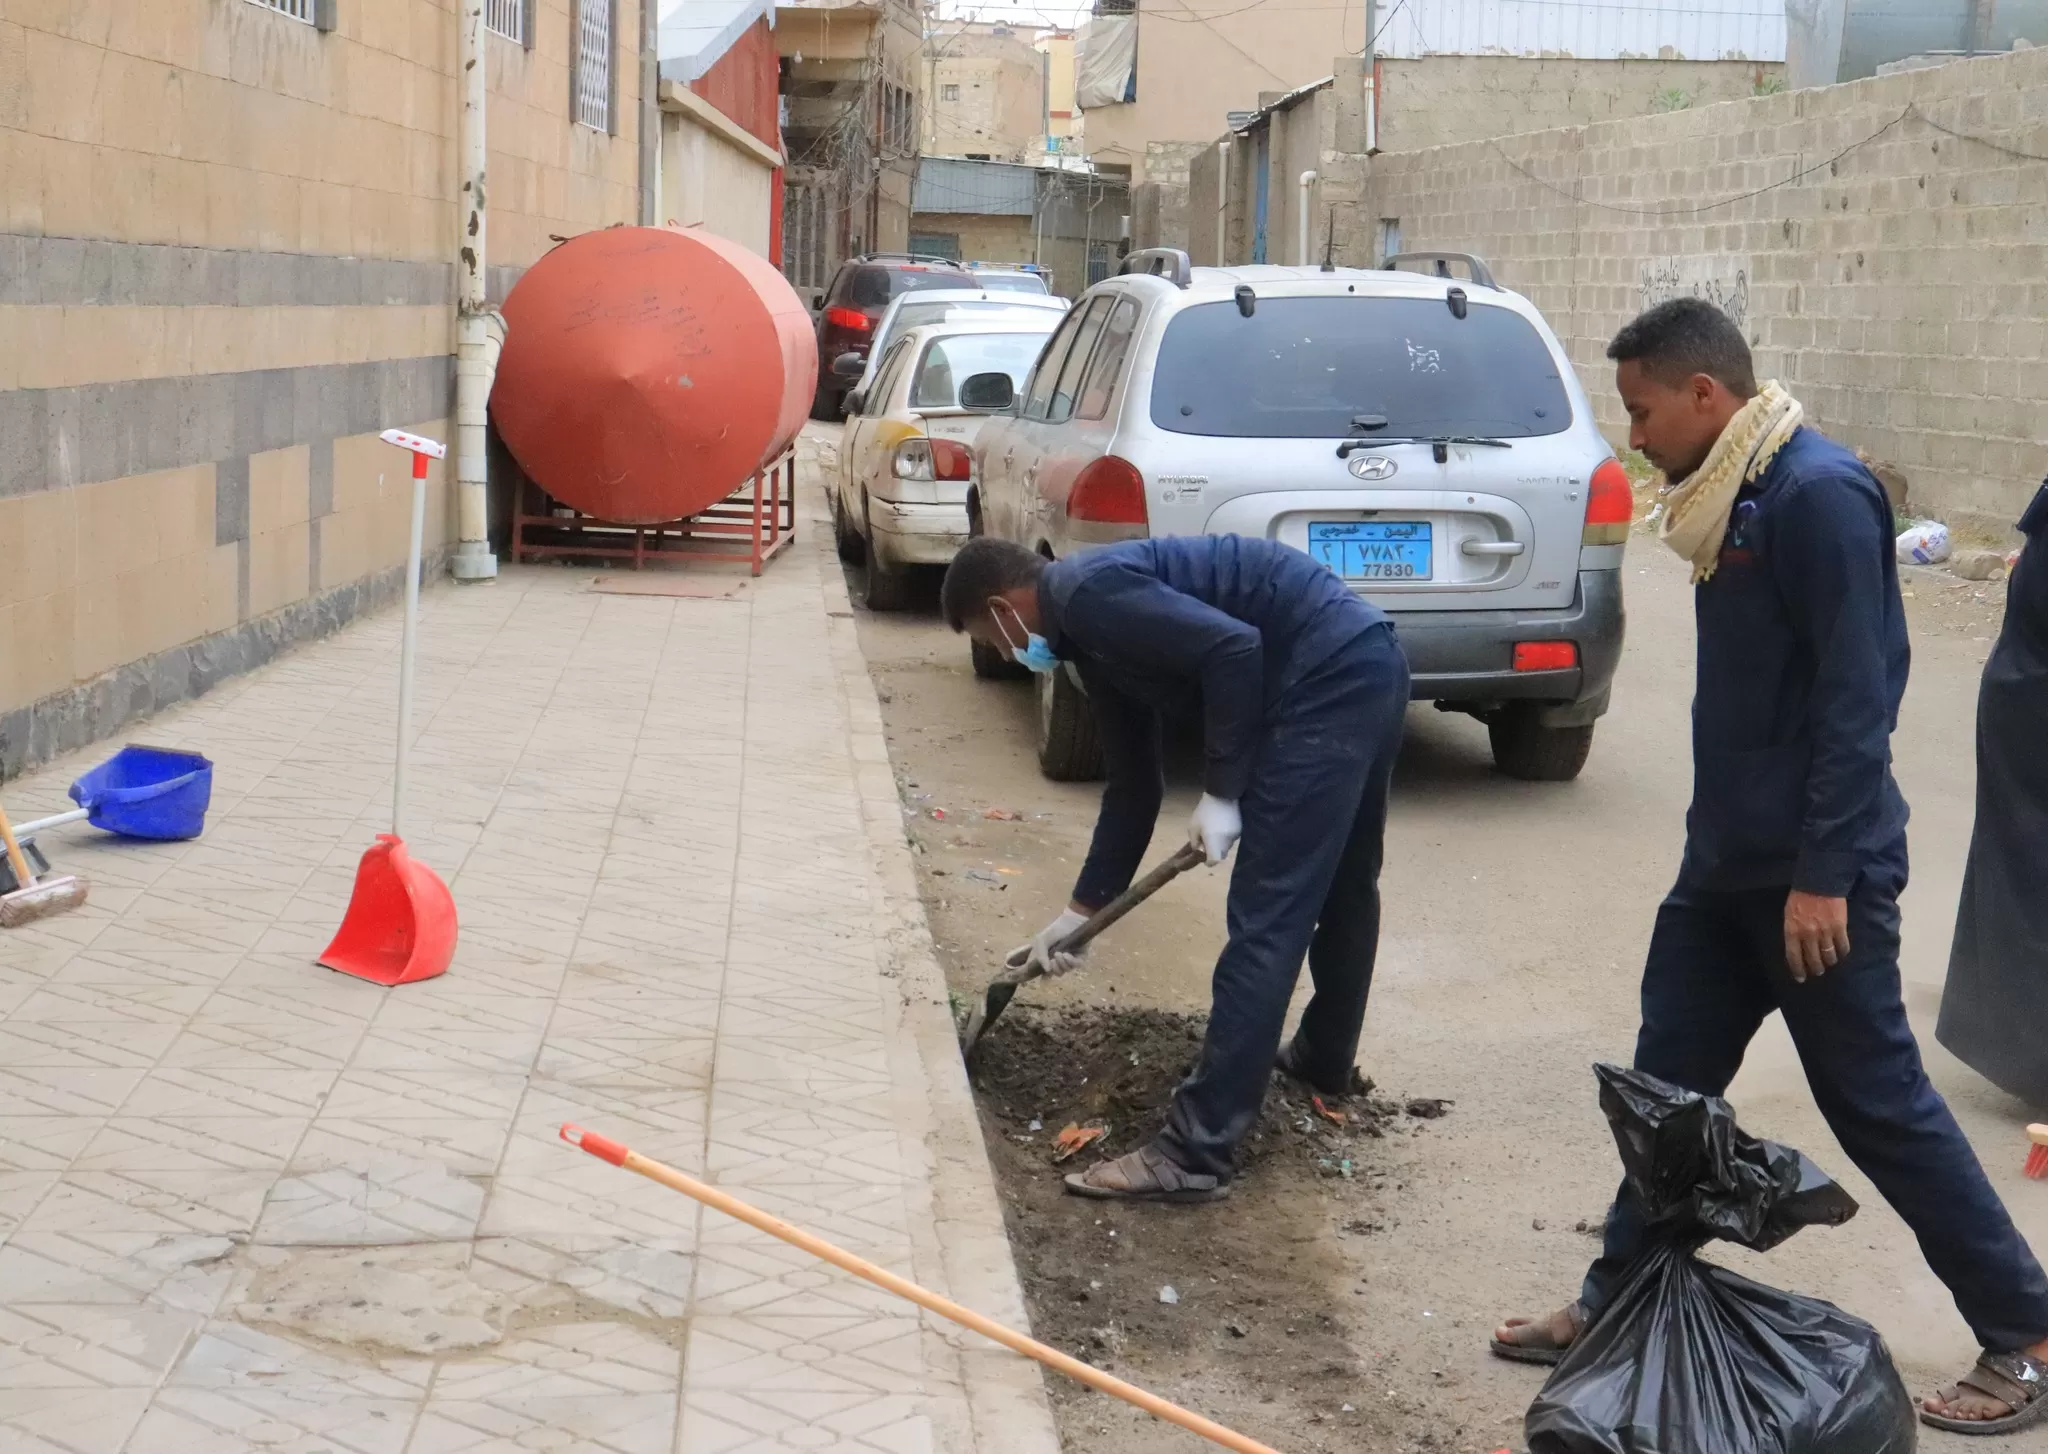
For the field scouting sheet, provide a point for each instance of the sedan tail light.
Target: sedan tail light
(951, 460)
(1610, 506)
(1109, 491)
(851, 319)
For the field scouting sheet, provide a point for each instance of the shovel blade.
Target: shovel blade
(993, 1004)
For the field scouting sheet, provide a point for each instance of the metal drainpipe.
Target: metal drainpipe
(1306, 183)
(479, 331)
(1223, 203)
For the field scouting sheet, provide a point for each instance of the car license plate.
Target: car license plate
(1372, 550)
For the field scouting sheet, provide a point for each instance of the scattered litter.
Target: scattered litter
(1334, 1117)
(982, 875)
(1427, 1108)
(940, 814)
(1169, 1295)
(1036, 1124)
(1236, 1330)
(1007, 871)
(1334, 1166)
(1001, 815)
(1073, 1138)
(1923, 544)
(1348, 1409)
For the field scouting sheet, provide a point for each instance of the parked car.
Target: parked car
(1013, 278)
(914, 310)
(1422, 435)
(860, 294)
(904, 467)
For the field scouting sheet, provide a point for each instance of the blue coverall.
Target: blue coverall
(1802, 663)
(1302, 689)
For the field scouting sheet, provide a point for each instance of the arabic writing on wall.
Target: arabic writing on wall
(1720, 278)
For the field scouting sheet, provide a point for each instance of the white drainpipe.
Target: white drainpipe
(479, 332)
(1223, 203)
(1307, 184)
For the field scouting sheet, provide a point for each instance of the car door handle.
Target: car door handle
(1491, 547)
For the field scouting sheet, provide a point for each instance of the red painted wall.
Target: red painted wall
(743, 84)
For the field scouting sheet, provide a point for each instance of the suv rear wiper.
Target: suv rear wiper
(1440, 443)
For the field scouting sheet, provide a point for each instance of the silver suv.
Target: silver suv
(1420, 434)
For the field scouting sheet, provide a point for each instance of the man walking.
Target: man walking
(1302, 691)
(1795, 852)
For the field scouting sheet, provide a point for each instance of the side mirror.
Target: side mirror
(853, 401)
(849, 366)
(989, 393)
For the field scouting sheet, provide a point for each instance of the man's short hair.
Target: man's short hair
(985, 567)
(1687, 336)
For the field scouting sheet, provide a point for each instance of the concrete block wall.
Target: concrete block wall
(1894, 275)
(226, 244)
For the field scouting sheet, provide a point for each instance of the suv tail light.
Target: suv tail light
(1610, 506)
(1546, 655)
(849, 318)
(1109, 491)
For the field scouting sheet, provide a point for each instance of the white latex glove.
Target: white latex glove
(1215, 827)
(1040, 949)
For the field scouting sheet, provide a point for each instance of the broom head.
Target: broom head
(49, 896)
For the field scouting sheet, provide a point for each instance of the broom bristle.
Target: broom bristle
(50, 896)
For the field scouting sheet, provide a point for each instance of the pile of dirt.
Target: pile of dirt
(1245, 1302)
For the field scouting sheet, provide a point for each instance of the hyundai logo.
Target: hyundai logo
(1373, 467)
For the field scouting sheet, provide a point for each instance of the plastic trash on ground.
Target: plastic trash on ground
(1924, 544)
(1690, 1356)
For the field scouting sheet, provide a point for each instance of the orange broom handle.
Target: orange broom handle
(608, 1150)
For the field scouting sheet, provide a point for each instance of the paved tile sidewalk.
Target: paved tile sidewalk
(251, 1205)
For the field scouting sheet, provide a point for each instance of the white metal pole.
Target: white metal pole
(1223, 203)
(1308, 181)
(477, 330)
(405, 649)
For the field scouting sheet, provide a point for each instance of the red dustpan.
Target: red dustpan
(400, 924)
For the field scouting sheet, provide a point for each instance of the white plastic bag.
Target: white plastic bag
(1924, 544)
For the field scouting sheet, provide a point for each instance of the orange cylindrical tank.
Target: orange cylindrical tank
(648, 372)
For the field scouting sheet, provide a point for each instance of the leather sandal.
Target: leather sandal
(2017, 1380)
(1547, 1353)
(1146, 1175)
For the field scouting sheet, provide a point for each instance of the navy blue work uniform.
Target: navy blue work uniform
(1802, 664)
(1301, 689)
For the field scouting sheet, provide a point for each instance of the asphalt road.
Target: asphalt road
(1516, 920)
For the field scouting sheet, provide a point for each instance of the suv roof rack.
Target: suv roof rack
(907, 257)
(1478, 271)
(1161, 262)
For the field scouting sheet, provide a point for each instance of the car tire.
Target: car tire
(1068, 749)
(888, 583)
(992, 665)
(845, 539)
(1523, 747)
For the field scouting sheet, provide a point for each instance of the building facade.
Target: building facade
(721, 132)
(985, 92)
(228, 259)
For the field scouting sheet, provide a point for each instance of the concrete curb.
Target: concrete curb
(961, 1245)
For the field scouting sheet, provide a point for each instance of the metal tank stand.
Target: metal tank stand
(751, 526)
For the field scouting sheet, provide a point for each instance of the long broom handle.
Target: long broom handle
(414, 549)
(608, 1150)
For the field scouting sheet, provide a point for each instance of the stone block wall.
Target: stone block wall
(226, 262)
(1892, 272)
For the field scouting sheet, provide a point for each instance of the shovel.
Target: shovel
(1003, 988)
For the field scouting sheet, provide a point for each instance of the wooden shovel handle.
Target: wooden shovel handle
(1130, 898)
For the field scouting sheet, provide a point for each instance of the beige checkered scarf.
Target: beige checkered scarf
(1696, 508)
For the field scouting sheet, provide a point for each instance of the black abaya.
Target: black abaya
(1994, 1011)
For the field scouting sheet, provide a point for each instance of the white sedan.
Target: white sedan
(904, 466)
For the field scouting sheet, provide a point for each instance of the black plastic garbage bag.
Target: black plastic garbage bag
(1689, 1358)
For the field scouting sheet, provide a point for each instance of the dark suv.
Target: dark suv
(860, 294)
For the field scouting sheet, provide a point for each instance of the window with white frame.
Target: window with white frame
(506, 18)
(297, 9)
(593, 74)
